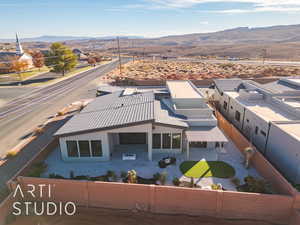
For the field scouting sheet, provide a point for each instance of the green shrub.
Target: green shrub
(156, 176)
(297, 186)
(163, 178)
(37, 169)
(236, 181)
(176, 181)
(55, 176)
(110, 173)
(82, 177)
(71, 174)
(123, 174)
(255, 185)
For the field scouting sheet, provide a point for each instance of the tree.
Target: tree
(61, 58)
(19, 66)
(249, 152)
(38, 59)
(98, 58)
(92, 61)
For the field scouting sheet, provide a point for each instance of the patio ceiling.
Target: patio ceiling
(207, 134)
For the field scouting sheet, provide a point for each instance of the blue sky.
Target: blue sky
(149, 18)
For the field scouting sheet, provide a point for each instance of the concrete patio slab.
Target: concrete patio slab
(146, 169)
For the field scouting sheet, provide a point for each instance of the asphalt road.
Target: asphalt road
(20, 116)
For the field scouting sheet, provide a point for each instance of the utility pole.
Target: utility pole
(120, 63)
(133, 51)
(264, 55)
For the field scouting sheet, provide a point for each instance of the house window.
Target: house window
(263, 133)
(217, 144)
(72, 148)
(247, 120)
(156, 141)
(198, 144)
(256, 130)
(176, 140)
(225, 105)
(237, 116)
(84, 148)
(96, 146)
(166, 141)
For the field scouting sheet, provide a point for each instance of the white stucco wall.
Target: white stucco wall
(104, 137)
(283, 151)
(233, 107)
(249, 129)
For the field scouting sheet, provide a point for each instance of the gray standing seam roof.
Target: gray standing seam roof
(111, 111)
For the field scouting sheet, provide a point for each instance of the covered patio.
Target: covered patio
(207, 140)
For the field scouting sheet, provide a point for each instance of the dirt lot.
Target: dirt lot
(175, 70)
(124, 217)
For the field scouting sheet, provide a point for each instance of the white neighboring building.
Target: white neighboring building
(19, 54)
(128, 122)
(264, 113)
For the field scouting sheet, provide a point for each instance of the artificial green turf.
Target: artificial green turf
(199, 169)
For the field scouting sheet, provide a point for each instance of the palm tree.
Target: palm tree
(249, 152)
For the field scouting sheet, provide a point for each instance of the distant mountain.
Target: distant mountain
(49, 38)
(248, 35)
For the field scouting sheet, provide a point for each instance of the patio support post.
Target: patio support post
(150, 145)
(188, 150)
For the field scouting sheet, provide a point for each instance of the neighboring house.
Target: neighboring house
(174, 121)
(263, 112)
(19, 55)
(80, 55)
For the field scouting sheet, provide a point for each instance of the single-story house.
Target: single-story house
(127, 122)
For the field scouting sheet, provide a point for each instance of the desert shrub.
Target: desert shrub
(156, 176)
(60, 113)
(100, 178)
(114, 177)
(123, 174)
(176, 181)
(37, 169)
(110, 173)
(11, 154)
(39, 130)
(255, 185)
(132, 176)
(163, 178)
(81, 177)
(216, 187)
(55, 176)
(297, 186)
(236, 181)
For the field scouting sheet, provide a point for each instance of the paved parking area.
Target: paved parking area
(147, 168)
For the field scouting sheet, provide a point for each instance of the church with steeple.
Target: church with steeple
(18, 54)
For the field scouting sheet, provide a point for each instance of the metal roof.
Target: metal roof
(164, 115)
(208, 134)
(116, 99)
(227, 84)
(111, 111)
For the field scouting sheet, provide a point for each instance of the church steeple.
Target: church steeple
(19, 48)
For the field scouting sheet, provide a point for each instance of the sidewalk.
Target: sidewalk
(13, 165)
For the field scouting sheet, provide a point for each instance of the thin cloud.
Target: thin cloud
(257, 10)
(191, 3)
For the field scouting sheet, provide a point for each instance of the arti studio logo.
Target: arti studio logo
(40, 207)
